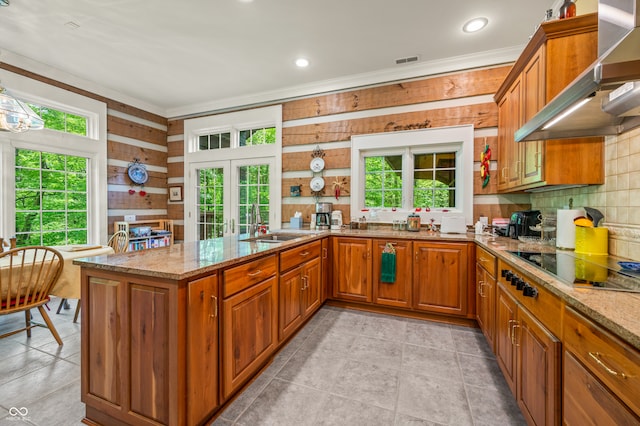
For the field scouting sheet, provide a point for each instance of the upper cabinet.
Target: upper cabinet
(557, 53)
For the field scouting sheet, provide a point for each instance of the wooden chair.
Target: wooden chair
(119, 242)
(27, 275)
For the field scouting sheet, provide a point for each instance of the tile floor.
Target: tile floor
(343, 368)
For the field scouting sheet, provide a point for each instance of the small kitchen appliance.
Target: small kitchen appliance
(323, 216)
(453, 224)
(413, 222)
(336, 219)
(521, 223)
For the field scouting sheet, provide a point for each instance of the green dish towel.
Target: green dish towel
(388, 268)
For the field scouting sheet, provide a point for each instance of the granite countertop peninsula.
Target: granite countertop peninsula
(615, 310)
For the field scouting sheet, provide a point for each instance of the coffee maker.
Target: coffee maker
(336, 220)
(323, 216)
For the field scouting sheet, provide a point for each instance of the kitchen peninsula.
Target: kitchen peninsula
(171, 334)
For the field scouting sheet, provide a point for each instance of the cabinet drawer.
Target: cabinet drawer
(613, 361)
(298, 255)
(486, 260)
(244, 276)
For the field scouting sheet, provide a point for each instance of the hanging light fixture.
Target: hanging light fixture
(16, 116)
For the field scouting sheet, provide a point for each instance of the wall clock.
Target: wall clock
(138, 173)
(317, 183)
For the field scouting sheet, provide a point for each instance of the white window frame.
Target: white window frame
(458, 139)
(233, 122)
(93, 146)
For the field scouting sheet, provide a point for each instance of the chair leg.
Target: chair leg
(50, 325)
(75, 317)
(27, 317)
(62, 302)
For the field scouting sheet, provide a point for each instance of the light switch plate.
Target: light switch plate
(129, 217)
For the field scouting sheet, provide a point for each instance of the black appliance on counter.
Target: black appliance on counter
(521, 223)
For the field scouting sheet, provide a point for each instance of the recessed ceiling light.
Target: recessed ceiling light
(245, 1)
(302, 62)
(476, 24)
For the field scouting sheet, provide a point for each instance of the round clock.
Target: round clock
(138, 174)
(317, 183)
(317, 164)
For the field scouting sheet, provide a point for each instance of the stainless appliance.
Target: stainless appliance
(521, 223)
(323, 215)
(610, 86)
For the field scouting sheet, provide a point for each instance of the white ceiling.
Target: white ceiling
(180, 57)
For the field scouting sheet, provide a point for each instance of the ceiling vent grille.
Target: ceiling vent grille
(406, 60)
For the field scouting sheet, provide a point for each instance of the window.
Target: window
(51, 198)
(254, 190)
(214, 141)
(54, 181)
(264, 136)
(61, 121)
(398, 172)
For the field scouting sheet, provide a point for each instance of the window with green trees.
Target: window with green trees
(383, 181)
(434, 180)
(60, 120)
(261, 136)
(51, 198)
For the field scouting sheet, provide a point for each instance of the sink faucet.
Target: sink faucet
(254, 219)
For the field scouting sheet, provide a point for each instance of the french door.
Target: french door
(225, 193)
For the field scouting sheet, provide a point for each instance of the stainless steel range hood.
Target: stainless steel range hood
(605, 98)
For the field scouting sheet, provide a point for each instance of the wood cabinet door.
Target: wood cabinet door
(397, 293)
(514, 122)
(202, 348)
(326, 270)
(538, 371)
(312, 280)
(440, 277)
(249, 333)
(504, 147)
(506, 309)
(485, 304)
(587, 402)
(533, 99)
(290, 295)
(352, 269)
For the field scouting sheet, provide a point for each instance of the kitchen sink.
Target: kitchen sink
(275, 238)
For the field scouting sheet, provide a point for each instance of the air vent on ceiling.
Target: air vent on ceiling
(406, 60)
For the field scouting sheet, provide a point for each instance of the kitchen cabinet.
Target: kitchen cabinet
(249, 321)
(557, 53)
(397, 293)
(202, 346)
(440, 277)
(327, 287)
(601, 377)
(148, 358)
(527, 350)
(352, 269)
(301, 289)
(486, 294)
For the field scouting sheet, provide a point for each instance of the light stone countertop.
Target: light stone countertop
(615, 310)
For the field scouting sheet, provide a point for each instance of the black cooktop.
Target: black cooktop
(583, 271)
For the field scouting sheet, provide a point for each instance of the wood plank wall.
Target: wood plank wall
(329, 121)
(131, 133)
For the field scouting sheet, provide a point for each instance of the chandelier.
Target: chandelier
(16, 116)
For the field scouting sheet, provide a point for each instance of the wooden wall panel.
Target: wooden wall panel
(126, 152)
(122, 127)
(118, 176)
(307, 209)
(175, 148)
(305, 190)
(175, 127)
(334, 159)
(478, 147)
(480, 115)
(451, 86)
(124, 200)
(491, 188)
(175, 169)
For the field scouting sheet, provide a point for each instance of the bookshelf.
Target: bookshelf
(161, 233)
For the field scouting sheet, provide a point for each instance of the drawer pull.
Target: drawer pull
(214, 302)
(305, 254)
(480, 292)
(596, 357)
(256, 273)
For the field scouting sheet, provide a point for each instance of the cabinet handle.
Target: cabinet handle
(596, 357)
(226, 226)
(255, 274)
(324, 253)
(538, 160)
(480, 284)
(512, 333)
(233, 226)
(305, 280)
(214, 301)
(304, 254)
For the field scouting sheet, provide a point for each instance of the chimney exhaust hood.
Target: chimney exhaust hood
(605, 99)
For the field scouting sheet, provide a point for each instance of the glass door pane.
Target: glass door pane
(212, 203)
(253, 188)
